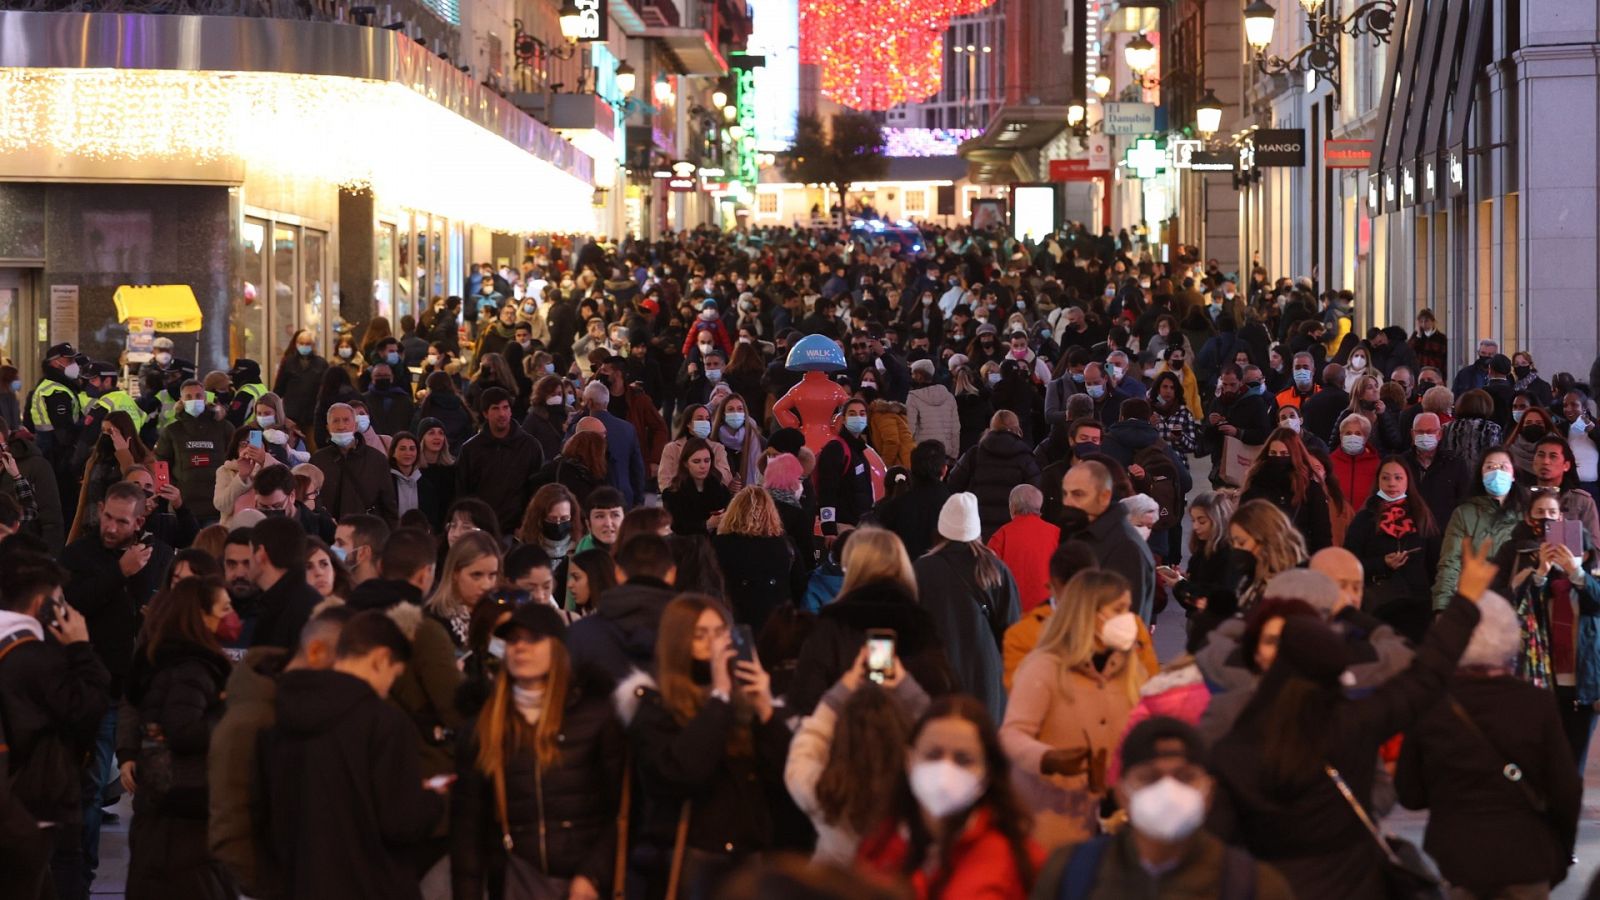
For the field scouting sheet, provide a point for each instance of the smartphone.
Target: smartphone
(880, 654)
(255, 439)
(744, 643)
(1566, 533)
(50, 613)
(163, 474)
(439, 782)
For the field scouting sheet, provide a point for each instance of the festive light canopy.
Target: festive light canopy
(303, 127)
(875, 56)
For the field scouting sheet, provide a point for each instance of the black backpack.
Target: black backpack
(1162, 483)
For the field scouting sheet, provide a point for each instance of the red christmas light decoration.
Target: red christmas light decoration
(875, 56)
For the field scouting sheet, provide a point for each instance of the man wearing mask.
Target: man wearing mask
(1304, 385)
(161, 361)
(1061, 389)
(245, 377)
(1443, 480)
(1107, 405)
(359, 542)
(388, 403)
(1240, 411)
(355, 477)
(1123, 382)
(1165, 851)
(844, 473)
(698, 378)
(1090, 515)
(1476, 375)
(1498, 387)
(53, 412)
(194, 446)
(1320, 410)
(624, 458)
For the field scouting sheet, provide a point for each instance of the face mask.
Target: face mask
(1096, 391)
(363, 423)
(342, 438)
(1427, 443)
(432, 360)
(570, 400)
(1120, 631)
(1391, 498)
(71, 372)
(1291, 424)
(927, 301)
(1167, 811)
(1114, 371)
(994, 377)
(944, 788)
(700, 428)
(1081, 450)
(1302, 378)
(553, 400)
(713, 375)
(303, 349)
(266, 421)
(1151, 373)
(704, 349)
(229, 629)
(1144, 283)
(1022, 304)
(856, 424)
(556, 531)
(497, 648)
(1353, 444)
(1522, 371)
(194, 407)
(1077, 378)
(735, 420)
(1533, 432)
(1497, 482)
(346, 352)
(16, 387)
(1044, 334)
(1516, 415)
(707, 315)
(392, 359)
(163, 358)
(1358, 363)
(1242, 561)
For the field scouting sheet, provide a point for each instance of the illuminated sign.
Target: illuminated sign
(1183, 151)
(775, 35)
(1033, 211)
(1346, 154)
(1280, 148)
(745, 168)
(904, 142)
(684, 177)
(594, 26)
(1128, 118)
(1146, 158)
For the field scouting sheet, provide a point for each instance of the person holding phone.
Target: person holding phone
(709, 749)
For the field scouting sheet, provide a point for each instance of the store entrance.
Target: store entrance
(20, 322)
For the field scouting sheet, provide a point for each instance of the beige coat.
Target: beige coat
(1049, 711)
(668, 469)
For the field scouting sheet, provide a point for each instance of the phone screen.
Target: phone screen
(880, 655)
(744, 643)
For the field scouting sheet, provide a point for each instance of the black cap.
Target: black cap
(787, 440)
(1500, 364)
(1161, 737)
(60, 351)
(100, 369)
(540, 618)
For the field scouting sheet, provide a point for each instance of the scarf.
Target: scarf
(1521, 384)
(557, 549)
(529, 702)
(781, 496)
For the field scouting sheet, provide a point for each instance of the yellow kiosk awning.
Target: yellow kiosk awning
(172, 306)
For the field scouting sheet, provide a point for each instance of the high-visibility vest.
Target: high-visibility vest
(114, 401)
(41, 412)
(254, 392)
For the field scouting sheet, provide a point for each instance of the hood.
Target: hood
(933, 395)
(882, 604)
(382, 593)
(888, 406)
(1133, 433)
(447, 400)
(311, 702)
(172, 654)
(1173, 679)
(1004, 444)
(636, 608)
(255, 679)
(13, 622)
(245, 371)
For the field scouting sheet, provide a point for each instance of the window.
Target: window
(768, 203)
(916, 201)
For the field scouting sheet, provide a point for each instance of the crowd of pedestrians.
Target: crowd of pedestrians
(591, 584)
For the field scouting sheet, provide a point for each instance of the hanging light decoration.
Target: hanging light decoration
(874, 57)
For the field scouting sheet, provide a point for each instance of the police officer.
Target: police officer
(53, 415)
(247, 391)
(100, 379)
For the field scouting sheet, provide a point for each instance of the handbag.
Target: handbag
(155, 770)
(1407, 875)
(1237, 458)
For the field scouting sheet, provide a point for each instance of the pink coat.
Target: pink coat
(1178, 693)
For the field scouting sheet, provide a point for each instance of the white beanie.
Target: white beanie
(958, 521)
(1308, 585)
(925, 366)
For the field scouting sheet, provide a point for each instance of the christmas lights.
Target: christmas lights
(307, 128)
(874, 56)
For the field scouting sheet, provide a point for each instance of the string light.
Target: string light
(876, 56)
(304, 128)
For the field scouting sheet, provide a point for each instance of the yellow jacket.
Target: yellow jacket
(890, 433)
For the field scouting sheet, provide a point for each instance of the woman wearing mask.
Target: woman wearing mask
(1497, 504)
(580, 466)
(1355, 460)
(235, 484)
(445, 406)
(744, 372)
(755, 557)
(547, 414)
(798, 511)
(280, 436)
(493, 371)
(173, 699)
(325, 573)
(1177, 361)
(299, 377)
(117, 448)
(697, 497)
(1472, 431)
(1070, 701)
(1167, 335)
(592, 573)
(347, 356)
(539, 785)
(847, 756)
(497, 336)
(1299, 763)
(708, 749)
(1173, 420)
(1383, 420)
(436, 489)
(697, 423)
(741, 439)
(1208, 575)
(1357, 368)
(1283, 476)
(1397, 541)
(554, 523)
(1525, 377)
(471, 570)
(1264, 543)
(1289, 417)
(956, 828)
(1532, 423)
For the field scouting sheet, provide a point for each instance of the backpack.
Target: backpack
(1161, 483)
(1078, 878)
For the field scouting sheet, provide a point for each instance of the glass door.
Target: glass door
(383, 294)
(285, 284)
(317, 314)
(248, 325)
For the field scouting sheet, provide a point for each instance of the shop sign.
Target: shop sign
(1430, 181)
(1099, 152)
(1146, 159)
(1183, 151)
(1346, 154)
(64, 314)
(1068, 169)
(1279, 148)
(1389, 193)
(1456, 172)
(142, 336)
(1408, 184)
(1374, 207)
(1128, 118)
(594, 20)
(683, 177)
(1214, 161)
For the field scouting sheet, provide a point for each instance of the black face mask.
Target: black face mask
(1242, 562)
(1533, 432)
(700, 671)
(556, 531)
(1073, 519)
(1277, 466)
(1522, 371)
(381, 384)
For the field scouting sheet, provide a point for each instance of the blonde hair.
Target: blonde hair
(468, 549)
(1071, 631)
(1279, 546)
(752, 512)
(876, 554)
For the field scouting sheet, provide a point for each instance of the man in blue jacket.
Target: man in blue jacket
(624, 459)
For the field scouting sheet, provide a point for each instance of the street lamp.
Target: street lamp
(730, 113)
(627, 79)
(1140, 54)
(1321, 57)
(719, 99)
(1259, 21)
(571, 21)
(1075, 113)
(1311, 6)
(663, 91)
(1102, 85)
(1208, 114)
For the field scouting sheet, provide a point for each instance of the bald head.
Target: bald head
(1087, 487)
(591, 425)
(1344, 568)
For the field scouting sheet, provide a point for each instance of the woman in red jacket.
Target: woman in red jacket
(957, 829)
(1355, 461)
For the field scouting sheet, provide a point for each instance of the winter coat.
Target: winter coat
(500, 471)
(755, 572)
(569, 473)
(391, 410)
(691, 506)
(195, 448)
(1357, 475)
(566, 814)
(1479, 519)
(51, 525)
(647, 422)
(673, 452)
(1050, 709)
(232, 827)
(548, 425)
(1444, 485)
(110, 601)
(889, 433)
(1307, 830)
(999, 462)
(914, 515)
(299, 379)
(1025, 545)
(1467, 439)
(450, 410)
(1123, 551)
(1203, 871)
(970, 621)
(1179, 693)
(1397, 596)
(981, 862)
(52, 699)
(355, 481)
(1312, 517)
(1483, 831)
(620, 635)
(932, 413)
(975, 411)
(285, 608)
(341, 784)
(841, 631)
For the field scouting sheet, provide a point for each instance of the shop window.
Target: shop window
(313, 290)
(383, 298)
(916, 201)
(285, 282)
(768, 203)
(248, 332)
(1510, 308)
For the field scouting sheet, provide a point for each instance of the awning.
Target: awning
(694, 49)
(172, 306)
(1007, 149)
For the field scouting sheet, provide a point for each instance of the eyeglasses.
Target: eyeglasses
(710, 634)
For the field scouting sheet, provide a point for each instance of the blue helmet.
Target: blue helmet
(816, 353)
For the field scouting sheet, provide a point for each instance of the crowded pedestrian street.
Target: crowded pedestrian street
(764, 449)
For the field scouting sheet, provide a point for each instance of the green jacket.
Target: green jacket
(1480, 518)
(231, 773)
(195, 448)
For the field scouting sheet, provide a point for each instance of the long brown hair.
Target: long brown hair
(501, 730)
(675, 663)
(530, 532)
(589, 449)
(177, 615)
(865, 761)
(1300, 463)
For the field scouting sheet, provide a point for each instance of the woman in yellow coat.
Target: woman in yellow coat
(889, 432)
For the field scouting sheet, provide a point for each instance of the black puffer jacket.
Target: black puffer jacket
(841, 630)
(180, 691)
(620, 636)
(579, 798)
(998, 463)
(297, 384)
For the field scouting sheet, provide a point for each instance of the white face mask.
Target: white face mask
(266, 421)
(1167, 810)
(944, 788)
(1120, 631)
(1353, 444)
(1291, 424)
